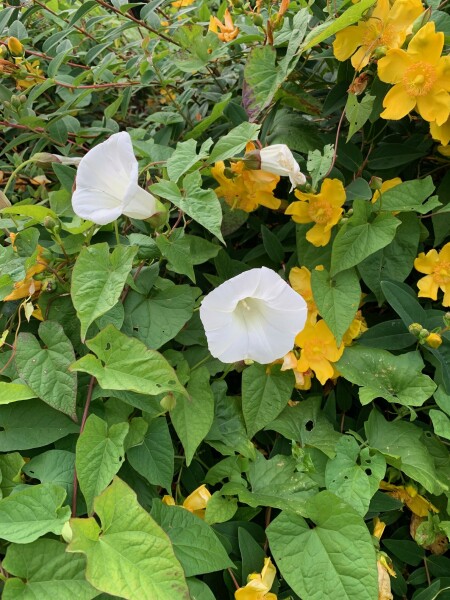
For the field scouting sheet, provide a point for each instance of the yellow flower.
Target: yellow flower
(28, 286)
(357, 327)
(384, 581)
(421, 78)
(15, 46)
(259, 584)
(385, 186)
(416, 503)
(323, 209)
(228, 31)
(182, 3)
(300, 280)
(378, 527)
(441, 132)
(302, 380)
(387, 27)
(194, 503)
(32, 75)
(436, 266)
(318, 350)
(247, 189)
(167, 96)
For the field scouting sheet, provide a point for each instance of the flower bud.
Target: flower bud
(66, 532)
(22, 98)
(43, 159)
(51, 224)
(433, 340)
(160, 217)
(168, 402)
(4, 202)
(252, 160)
(15, 46)
(446, 319)
(15, 101)
(375, 183)
(380, 52)
(415, 329)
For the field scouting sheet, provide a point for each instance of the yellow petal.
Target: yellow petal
(427, 45)
(381, 11)
(348, 40)
(268, 573)
(318, 235)
(322, 368)
(168, 500)
(299, 212)
(428, 288)
(397, 103)
(404, 12)
(198, 499)
(425, 263)
(392, 67)
(333, 191)
(435, 106)
(441, 132)
(444, 254)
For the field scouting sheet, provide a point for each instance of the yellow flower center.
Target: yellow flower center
(313, 348)
(441, 273)
(320, 211)
(419, 79)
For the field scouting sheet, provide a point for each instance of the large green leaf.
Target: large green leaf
(46, 370)
(334, 559)
(356, 241)
(306, 423)
(42, 570)
(398, 379)
(201, 205)
(401, 444)
(192, 417)
(276, 482)
(194, 542)
(354, 474)
(234, 141)
(53, 466)
(129, 555)
(100, 454)
(154, 458)
(10, 472)
(98, 279)
(32, 512)
(184, 157)
(357, 113)
(15, 392)
(264, 395)
(337, 299)
(124, 363)
(31, 424)
(408, 196)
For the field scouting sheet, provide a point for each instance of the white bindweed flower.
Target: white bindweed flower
(107, 183)
(278, 159)
(255, 315)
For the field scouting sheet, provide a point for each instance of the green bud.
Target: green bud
(7, 104)
(415, 329)
(380, 52)
(15, 101)
(375, 183)
(423, 335)
(168, 402)
(22, 98)
(446, 319)
(159, 218)
(257, 19)
(50, 223)
(66, 532)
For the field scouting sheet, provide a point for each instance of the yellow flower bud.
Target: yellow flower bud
(15, 46)
(434, 340)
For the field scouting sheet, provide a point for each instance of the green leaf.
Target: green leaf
(154, 458)
(42, 570)
(404, 302)
(401, 444)
(199, 590)
(184, 157)
(192, 417)
(251, 553)
(10, 472)
(194, 542)
(442, 400)
(264, 395)
(32, 424)
(394, 261)
(177, 253)
(220, 509)
(306, 423)
(100, 454)
(356, 241)
(216, 113)
(397, 379)
(353, 474)
(408, 196)
(15, 392)
(32, 512)
(357, 113)
(98, 279)
(319, 163)
(38, 213)
(53, 466)
(45, 370)
(129, 554)
(275, 482)
(329, 28)
(201, 205)
(339, 545)
(337, 299)
(272, 245)
(124, 363)
(234, 141)
(441, 423)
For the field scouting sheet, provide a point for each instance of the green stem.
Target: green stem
(14, 173)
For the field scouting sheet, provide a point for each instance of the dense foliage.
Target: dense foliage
(156, 447)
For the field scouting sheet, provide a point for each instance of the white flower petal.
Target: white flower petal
(139, 204)
(96, 206)
(109, 166)
(254, 315)
(278, 159)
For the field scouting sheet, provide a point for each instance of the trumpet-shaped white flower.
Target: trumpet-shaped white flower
(107, 183)
(278, 159)
(255, 315)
